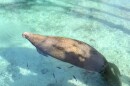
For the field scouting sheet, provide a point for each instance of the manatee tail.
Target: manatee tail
(112, 75)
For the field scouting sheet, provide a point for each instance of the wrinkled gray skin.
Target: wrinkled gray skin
(74, 52)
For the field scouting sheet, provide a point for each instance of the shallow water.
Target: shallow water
(104, 25)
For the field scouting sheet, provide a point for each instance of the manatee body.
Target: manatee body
(77, 53)
(68, 50)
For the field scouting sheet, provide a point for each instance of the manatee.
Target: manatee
(75, 52)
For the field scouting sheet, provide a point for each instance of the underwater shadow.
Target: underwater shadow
(25, 5)
(112, 5)
(28, 4)
(20, 59)
(26, 59)
(100, 11)
(77, 14)
(16, 5)
(105, 22)
(69, 11)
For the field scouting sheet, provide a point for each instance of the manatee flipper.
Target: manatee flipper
(112, 75)
(41, 52)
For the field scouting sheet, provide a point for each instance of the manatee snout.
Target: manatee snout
(26, 34)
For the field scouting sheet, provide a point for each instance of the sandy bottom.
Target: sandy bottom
(104, 25)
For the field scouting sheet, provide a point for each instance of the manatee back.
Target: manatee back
(75, 52)
(68, 50)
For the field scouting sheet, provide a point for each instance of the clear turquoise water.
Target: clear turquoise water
(102, 24)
